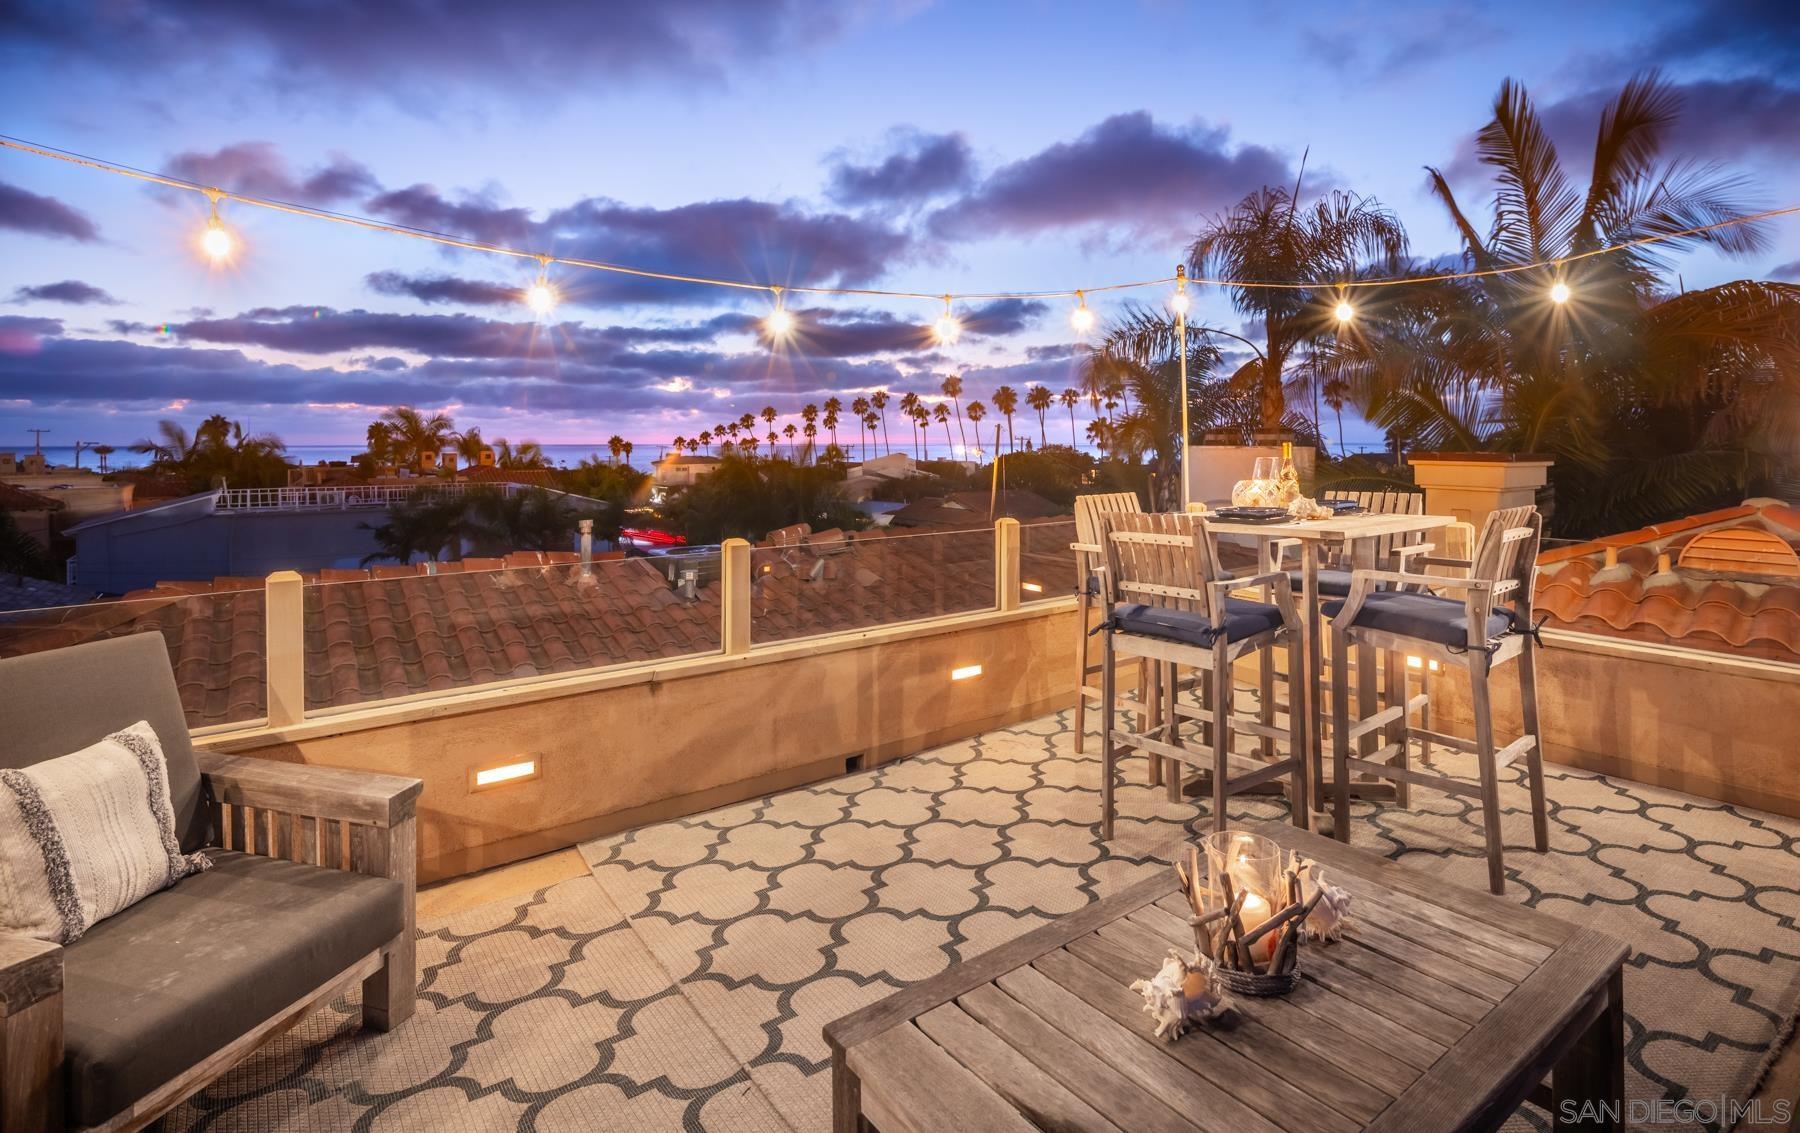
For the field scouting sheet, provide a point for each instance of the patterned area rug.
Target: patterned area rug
(685, 984)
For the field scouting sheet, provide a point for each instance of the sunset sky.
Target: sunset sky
(916, 146)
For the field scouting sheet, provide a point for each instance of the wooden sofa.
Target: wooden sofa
(311, 893)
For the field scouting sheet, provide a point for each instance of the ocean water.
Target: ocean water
(561, 456)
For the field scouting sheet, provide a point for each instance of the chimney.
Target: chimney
(587, 548)
(690, 582)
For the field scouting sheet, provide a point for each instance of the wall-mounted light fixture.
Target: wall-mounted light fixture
(965, 672)
(482, 778)
(1032, 587)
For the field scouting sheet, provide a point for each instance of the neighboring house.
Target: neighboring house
(238, 533)
(83, 494)
(861, 481)
(682, 470)
(1726, 581)
(31, 512)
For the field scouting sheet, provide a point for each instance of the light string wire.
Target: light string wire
(544, 259)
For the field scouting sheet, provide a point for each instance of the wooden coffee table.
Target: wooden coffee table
(1443, 1009)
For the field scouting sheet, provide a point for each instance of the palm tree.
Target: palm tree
(768, 416)
(809, 418)
(1070, 398)
(1655, 404)
(976, 412)
(103, 451)
(788, 430)
(871, 419)
(860, 409)
(1141, 352)
(679, 444)
(380, 442)
(941, 414)
(469, 445)
(952, 389)
(526, 455)
(810, 431)
(615, 444)
(1099, 433)
(909, 405)
(878, 402)
(1006, 400)
(413, 432)
(1041, 399)
(833, 407)
(706, 440)
(1268, 237)
(172, 445)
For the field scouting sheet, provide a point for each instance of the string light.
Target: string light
(947, 328)
(541, 296)
(1344, 312)
(1082, 319)
(780, 322)
(1180, 301)
(216, 241)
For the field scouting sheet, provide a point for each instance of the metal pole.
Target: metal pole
(1181, 349)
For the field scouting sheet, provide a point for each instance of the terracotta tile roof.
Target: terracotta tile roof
(1713, 581)
(18, 499)
(395, 630)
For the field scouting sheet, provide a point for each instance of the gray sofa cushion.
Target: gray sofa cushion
(159, 987)
(62, 700)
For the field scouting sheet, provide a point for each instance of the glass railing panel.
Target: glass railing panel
(215, 639)
(403, 632)
(1046, 565)
(836, 581)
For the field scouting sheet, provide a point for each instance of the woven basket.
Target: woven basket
(1252, 984)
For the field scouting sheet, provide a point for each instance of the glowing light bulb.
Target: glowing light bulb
(216, 241)
(1180, 302)
(948, 328)
(1082, 319)
(1559, 292)
(779, 323)
(1345, 312)
(541, 297)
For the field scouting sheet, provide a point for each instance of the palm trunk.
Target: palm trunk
(1074, 437)
(962, 436)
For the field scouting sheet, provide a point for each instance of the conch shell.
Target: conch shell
(1180, 995)
(1331, 915)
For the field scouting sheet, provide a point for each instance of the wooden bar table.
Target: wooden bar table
(1442, 1009)
(1358, 534)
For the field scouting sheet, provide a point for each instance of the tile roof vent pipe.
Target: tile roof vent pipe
(587, 548)
(690, 582)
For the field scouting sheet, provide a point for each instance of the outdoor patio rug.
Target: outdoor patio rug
(779, 915)
(685, 983)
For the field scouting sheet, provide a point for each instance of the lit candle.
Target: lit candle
(1252, 915)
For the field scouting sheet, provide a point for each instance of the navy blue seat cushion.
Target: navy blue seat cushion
(1243, 619)
(1333, 582)
(1424, 616)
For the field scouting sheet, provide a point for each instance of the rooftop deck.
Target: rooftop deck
(681, 980)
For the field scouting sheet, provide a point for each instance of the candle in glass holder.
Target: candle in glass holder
(1252, 863)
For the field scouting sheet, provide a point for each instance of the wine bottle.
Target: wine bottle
(1288, 480)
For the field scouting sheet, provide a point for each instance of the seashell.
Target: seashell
(1331, 915)
(1180, 995)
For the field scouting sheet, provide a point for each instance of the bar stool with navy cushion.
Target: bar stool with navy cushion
(1486, 624)
(1171, 605)
(1090, 564)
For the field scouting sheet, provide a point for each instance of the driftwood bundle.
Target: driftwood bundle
(1220, 935)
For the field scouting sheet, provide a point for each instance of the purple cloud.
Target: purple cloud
(26, 211)
(728, 239)
(410, 48)
(921, 166)
(257, 169)
(1127, 171)
(68, 291)
(443, 289)
(1789, 272)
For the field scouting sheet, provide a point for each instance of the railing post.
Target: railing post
(1006, 564)
(734, 588)
(284, 647)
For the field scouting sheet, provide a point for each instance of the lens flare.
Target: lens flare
(1559, 293)
(541, 297)
(216, 241)
(1180, 302)
(779, 323)
(1345, 312)
(1081, 319)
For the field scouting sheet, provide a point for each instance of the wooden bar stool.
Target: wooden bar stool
(1489, 625)
(1169, 604)
(1090, 562)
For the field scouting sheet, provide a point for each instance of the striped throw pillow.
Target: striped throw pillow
(83, 836)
